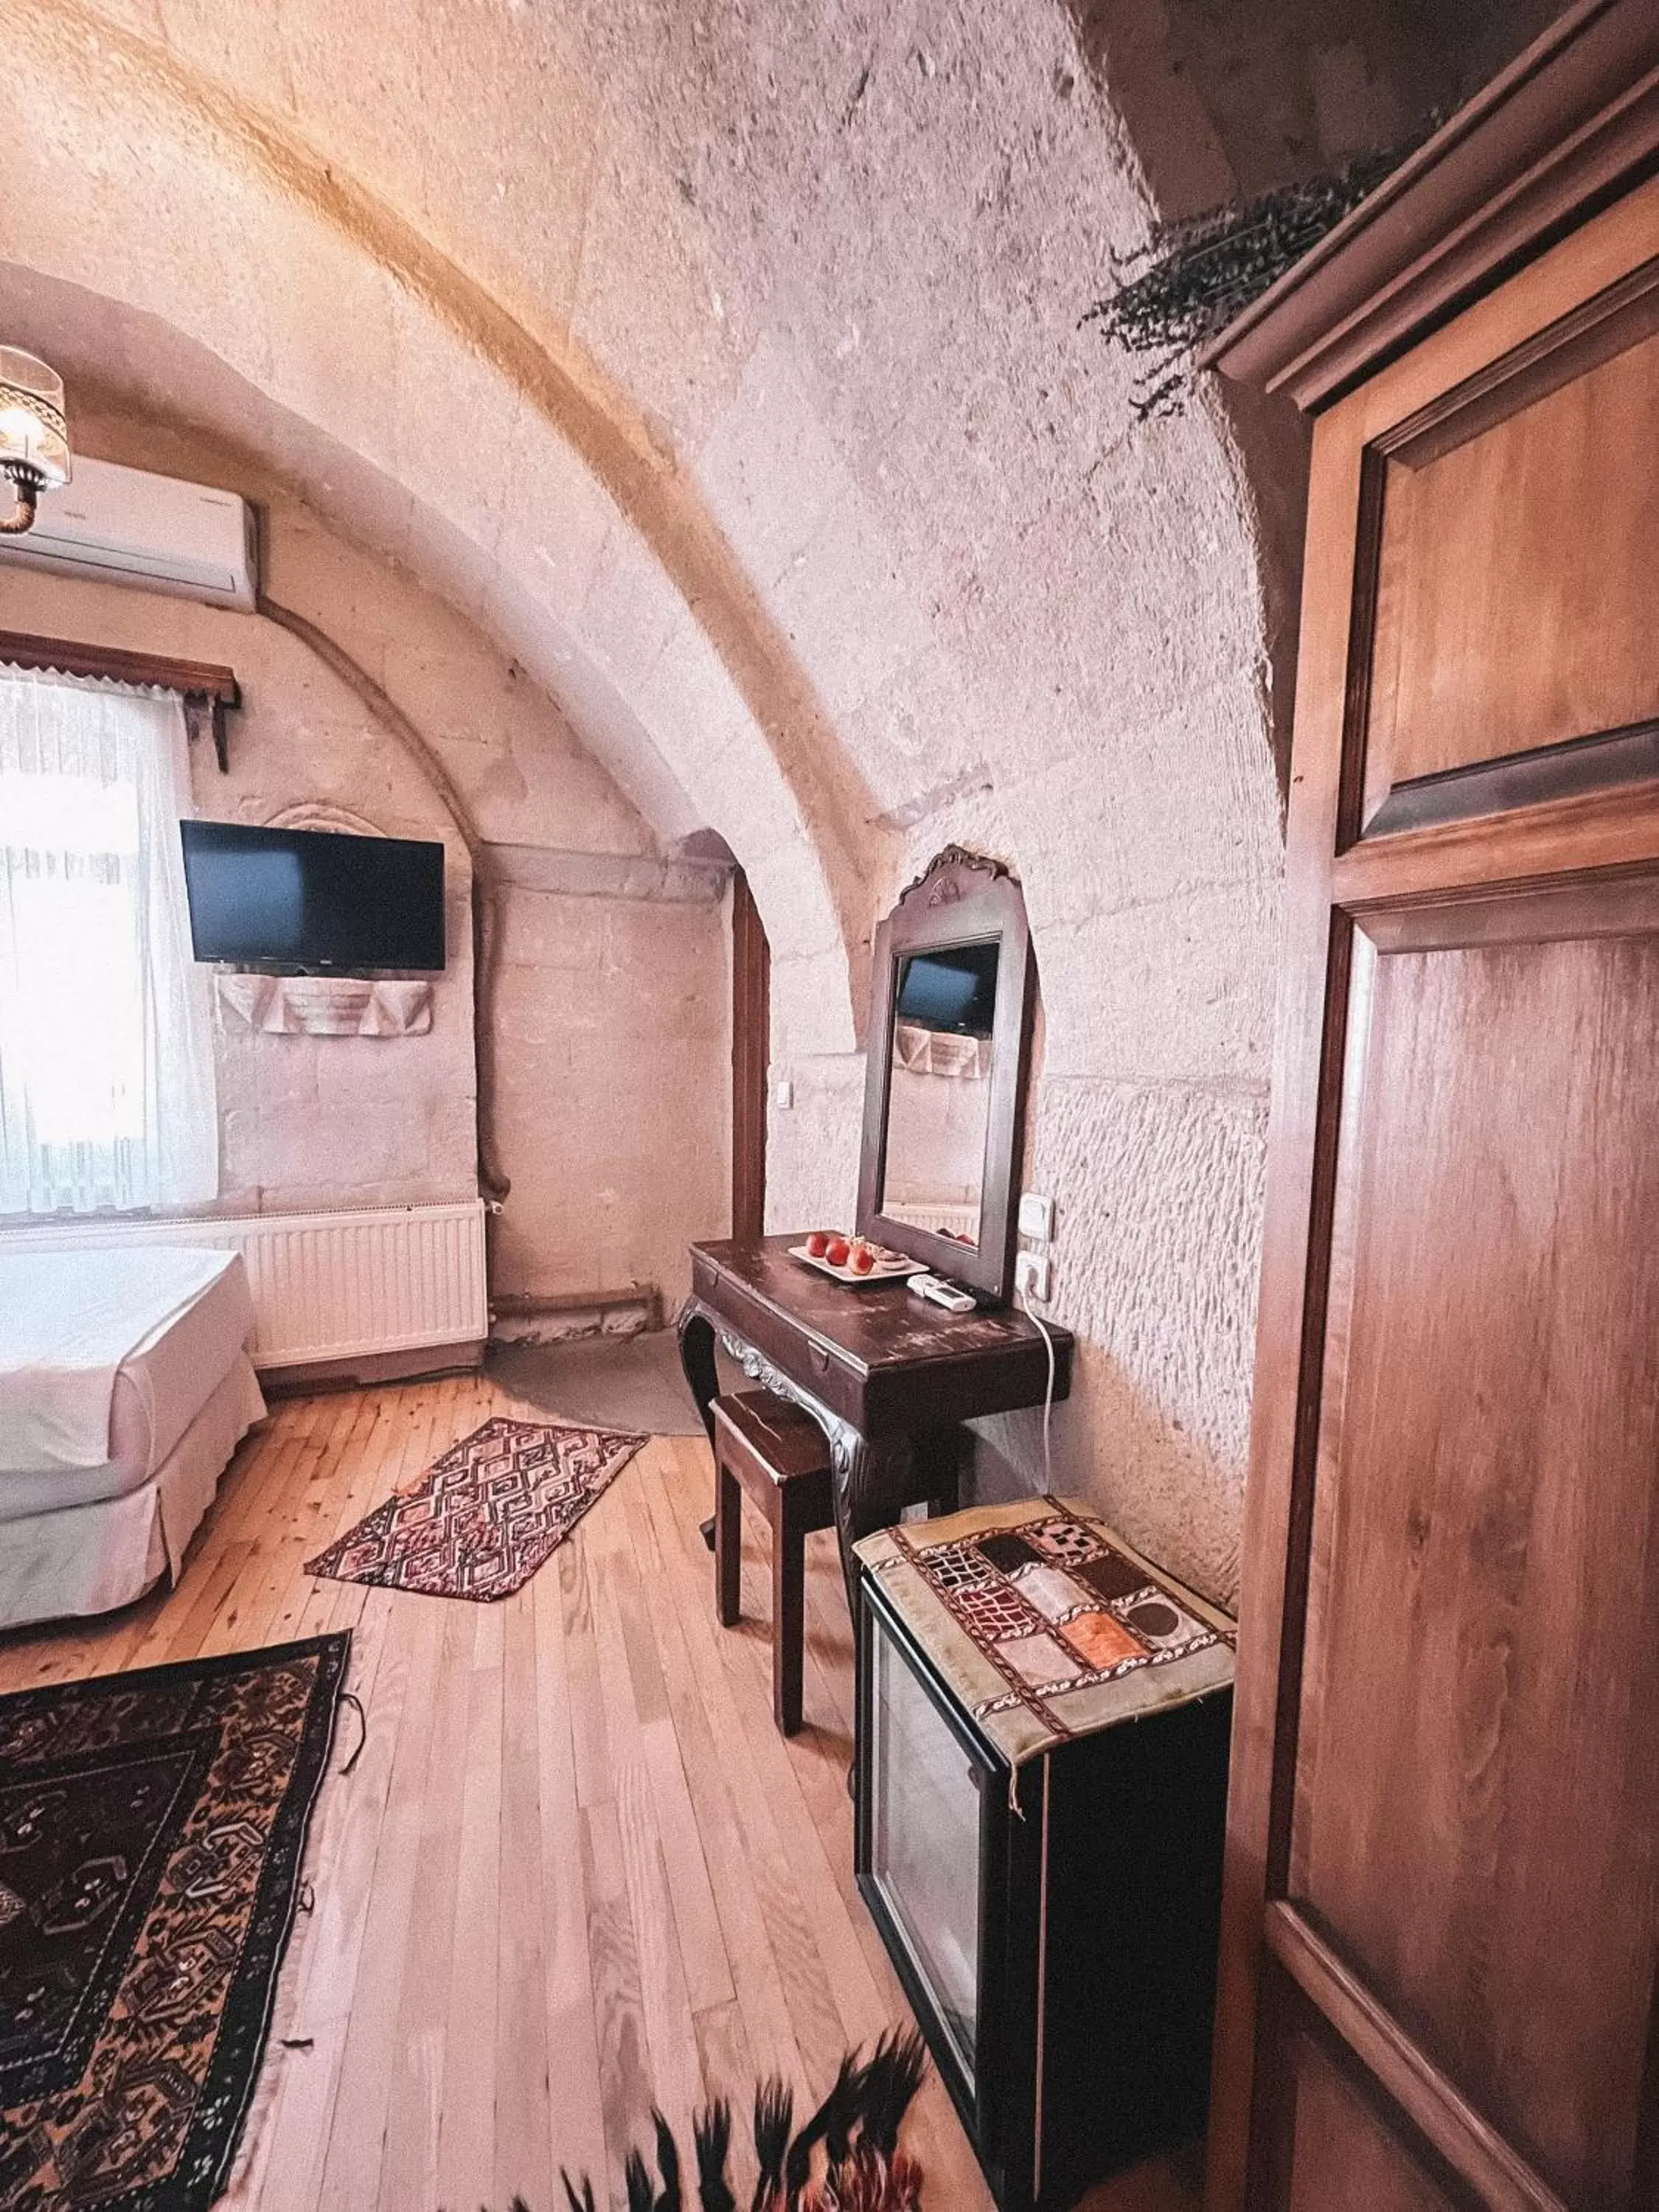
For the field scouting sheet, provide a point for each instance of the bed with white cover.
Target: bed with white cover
(124, 1388)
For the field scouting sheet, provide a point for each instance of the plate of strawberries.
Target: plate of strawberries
(854, 1259)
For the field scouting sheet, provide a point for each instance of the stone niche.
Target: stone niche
(328, 1005)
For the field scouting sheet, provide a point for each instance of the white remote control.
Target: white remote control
(941, 1293)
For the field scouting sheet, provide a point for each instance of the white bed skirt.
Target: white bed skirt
(91, 1558)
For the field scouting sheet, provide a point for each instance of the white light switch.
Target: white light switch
(783, 1094)
(1036, 1217)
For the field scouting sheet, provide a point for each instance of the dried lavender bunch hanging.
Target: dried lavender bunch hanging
(1203, 270)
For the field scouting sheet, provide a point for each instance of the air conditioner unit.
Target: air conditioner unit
(131, 527)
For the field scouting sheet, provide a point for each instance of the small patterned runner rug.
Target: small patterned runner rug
(489, 1513)
(152, 1826)
(1045, 1622)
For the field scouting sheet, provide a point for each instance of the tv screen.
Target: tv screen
(312, 899)
(954, 990)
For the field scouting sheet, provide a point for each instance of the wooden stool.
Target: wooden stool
(781, 1456)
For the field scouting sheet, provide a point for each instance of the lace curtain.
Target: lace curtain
(107, 1087)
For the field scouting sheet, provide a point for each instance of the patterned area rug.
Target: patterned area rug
(489, 1513)
(152, 1826)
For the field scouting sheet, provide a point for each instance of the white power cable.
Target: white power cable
(1048, 1395)
(1014, 1805)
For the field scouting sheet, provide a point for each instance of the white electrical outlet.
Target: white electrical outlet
(1036, 1218)
(1031, 1275)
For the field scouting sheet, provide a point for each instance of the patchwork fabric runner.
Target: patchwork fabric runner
(152, 1826)
(487, 1514)
(1045, 1623)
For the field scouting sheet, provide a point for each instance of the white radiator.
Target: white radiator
(943, 1219)
(327, 1286)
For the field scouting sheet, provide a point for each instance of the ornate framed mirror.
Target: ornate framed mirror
(951, 1005)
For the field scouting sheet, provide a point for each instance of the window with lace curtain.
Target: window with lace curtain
(107, 1087)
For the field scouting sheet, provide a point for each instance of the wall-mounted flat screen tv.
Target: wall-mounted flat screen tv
(312, 900)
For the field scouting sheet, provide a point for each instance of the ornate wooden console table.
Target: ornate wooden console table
(889, 1378)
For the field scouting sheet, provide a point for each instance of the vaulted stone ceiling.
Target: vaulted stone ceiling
(725, 362)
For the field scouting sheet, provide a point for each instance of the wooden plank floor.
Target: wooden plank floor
(575, 1871)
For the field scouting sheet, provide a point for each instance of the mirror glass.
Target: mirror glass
(938, 1098)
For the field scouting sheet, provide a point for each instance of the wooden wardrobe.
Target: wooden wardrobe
(1438, 1962)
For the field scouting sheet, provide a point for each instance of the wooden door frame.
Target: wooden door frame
(751, 1032)
(1338, 880)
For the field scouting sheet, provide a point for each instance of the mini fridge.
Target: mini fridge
(1054, 1924)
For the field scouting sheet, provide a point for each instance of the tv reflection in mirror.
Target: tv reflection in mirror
(939, 1090)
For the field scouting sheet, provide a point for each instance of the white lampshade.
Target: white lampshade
(35, 449)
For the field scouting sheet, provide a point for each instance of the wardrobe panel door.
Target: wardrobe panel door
(1344, 2156)
(1514, 602)
(1444, 1819)
(1479, 1668)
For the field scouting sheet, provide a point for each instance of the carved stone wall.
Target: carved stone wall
(732, 382)
(611, 1003)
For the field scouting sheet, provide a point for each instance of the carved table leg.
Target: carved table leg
(696, 1340)
(940, 1457)
(872, 1476)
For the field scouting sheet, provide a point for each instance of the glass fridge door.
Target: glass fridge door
(925, 1839)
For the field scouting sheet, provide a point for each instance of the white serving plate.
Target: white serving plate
(892, 1269)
